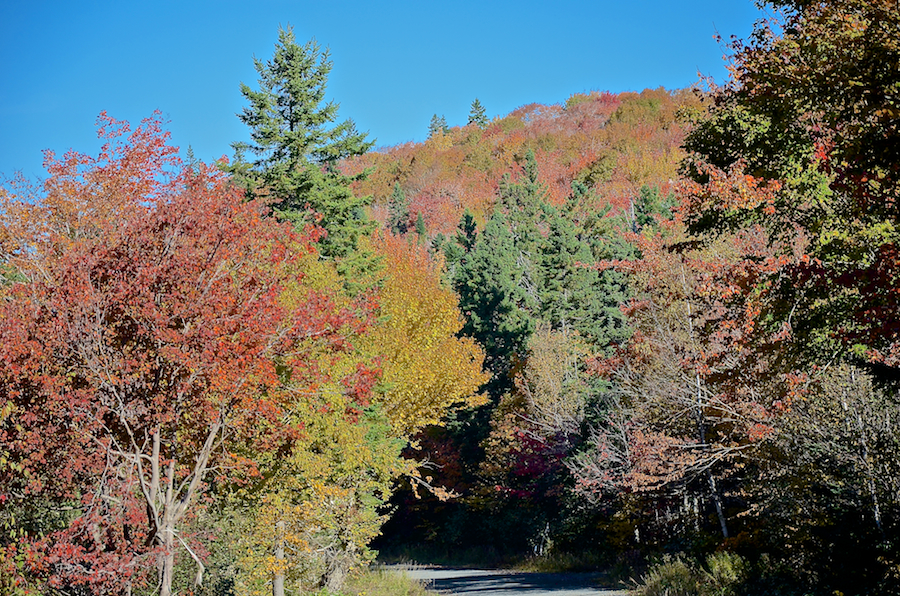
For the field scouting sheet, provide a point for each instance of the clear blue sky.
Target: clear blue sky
(395, 63)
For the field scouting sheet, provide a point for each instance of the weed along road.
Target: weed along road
(484, 582)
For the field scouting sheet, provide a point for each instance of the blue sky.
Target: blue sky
(395, 63)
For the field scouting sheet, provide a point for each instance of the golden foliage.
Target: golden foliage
(426, 367)
(552, 381)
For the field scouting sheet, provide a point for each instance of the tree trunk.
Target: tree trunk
(167, 563)
(336, 578)
(717, 500)
(278, 580)
(864, 448)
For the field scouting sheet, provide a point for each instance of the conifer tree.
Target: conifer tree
(477, 115)
(575, 295)
(460, 245)
(649, 206)
(398, 211)
(525, 205)
(494, 301)
(295, 147)
(421, 230)
(497, 273)
(438, 125)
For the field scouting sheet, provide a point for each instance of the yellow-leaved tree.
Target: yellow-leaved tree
(308, 520)
(427, 369)
(312, 515)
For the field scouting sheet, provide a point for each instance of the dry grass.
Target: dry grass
(385, 582)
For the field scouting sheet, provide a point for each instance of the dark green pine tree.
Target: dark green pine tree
(477, 115)
(497, 273)
(650, 207)
(457, 247)
(493, 299)
(524, 203)
(438, 125)
(295, 148)
(398, 211)
(574, 294)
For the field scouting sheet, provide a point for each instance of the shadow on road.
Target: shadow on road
(474, 582)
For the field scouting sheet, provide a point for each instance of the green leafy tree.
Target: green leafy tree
(811, 117)
(477, 115)
(296, 146)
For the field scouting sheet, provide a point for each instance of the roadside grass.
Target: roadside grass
(617, 574)
(384, 582)
(472, 557)
(562, 562)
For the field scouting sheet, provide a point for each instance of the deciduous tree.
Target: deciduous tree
(427, 367)
(143, 325)
(811, 112)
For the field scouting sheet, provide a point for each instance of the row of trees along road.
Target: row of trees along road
(753, 407)
(194, 392)
(680, 309)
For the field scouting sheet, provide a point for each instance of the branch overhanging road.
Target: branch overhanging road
(483, 582)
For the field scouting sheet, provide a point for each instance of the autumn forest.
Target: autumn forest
(654, 334)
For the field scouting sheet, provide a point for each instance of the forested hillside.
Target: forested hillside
(651, 333)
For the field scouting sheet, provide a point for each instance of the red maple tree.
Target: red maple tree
(144, 338)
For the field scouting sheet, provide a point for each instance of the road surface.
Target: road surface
(483, 582)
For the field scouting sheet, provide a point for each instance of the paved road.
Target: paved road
(481, 582)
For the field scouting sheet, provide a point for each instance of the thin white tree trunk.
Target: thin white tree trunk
(278, 580)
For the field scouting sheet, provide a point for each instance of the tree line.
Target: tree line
(613, 329)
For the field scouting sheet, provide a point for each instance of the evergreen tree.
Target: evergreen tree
(649, 207)
(398, 211)
(526, 208)
(461, 244)
(477, 114)
(575, 295)
(295, 148)
(438, 125)
(494, 300)
(497, 273)
(421, 230)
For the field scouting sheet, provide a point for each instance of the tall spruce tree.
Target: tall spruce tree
(421, 229)
(493, 299)
(576, 295)
(295, 148)
(526, 208)
(477, 115)
(496, 273)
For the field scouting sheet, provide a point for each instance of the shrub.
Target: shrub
(723, 575)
